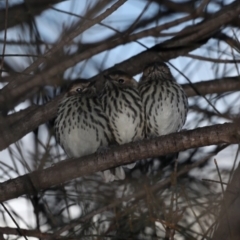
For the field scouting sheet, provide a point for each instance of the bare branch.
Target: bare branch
(118, 155)
(30, 233)
(221, 85)
(27, 119)
(208, 59)
(20, 13)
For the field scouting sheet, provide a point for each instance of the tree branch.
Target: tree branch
(220, 85)
(118, 155)
(20, 13)
(26, 232)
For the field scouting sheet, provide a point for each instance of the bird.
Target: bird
(81, 126)
(164, 100)
(122, 104)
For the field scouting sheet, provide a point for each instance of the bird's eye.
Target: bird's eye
(120, 80)
(79, 90)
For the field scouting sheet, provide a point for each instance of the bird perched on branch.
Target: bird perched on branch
(81, 125)
(122, 104)
(164, 101)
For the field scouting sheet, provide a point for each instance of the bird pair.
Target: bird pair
(119, 110)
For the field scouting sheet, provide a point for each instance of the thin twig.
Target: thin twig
(10, 215)
(5, 37)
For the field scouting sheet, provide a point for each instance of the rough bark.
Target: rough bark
(118, 155)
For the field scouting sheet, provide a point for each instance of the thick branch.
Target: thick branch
(221, 85)
(118, 155)
(26, 121)
(25, 232)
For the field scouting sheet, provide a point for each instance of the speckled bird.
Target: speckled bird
(164, 101)
(122, 104)
(81, 125)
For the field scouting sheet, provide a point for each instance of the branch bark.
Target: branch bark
(220, 85)
(118, 155)
(26, 121)
(26, 232)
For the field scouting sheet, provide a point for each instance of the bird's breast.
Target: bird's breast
(125, 115)
(165, 108)
(81, 128)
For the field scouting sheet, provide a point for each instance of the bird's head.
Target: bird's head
(156, 70)
(120, 79)
(80, 86)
